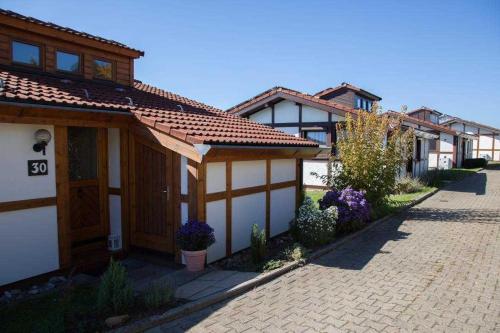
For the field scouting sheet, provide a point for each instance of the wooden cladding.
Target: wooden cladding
(152, 217)
(122, 65)
(9, 206)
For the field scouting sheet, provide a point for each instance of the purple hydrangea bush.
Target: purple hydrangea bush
(352, 205)
(195, 236)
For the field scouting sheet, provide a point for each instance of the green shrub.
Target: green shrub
(157, 294)
(433, 178)
(115, 293)
(257, 244)
(273, 264)
(313, 226)
(471, 163)
(297, 252)
(408, 185)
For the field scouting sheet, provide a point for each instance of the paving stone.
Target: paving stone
(434, 268)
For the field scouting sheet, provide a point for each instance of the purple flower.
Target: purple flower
(195, 236)
(351, 204)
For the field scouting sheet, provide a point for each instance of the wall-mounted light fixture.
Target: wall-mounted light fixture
(42, 137)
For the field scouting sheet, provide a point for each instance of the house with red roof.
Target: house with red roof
(312, 117)
(487, 143)
(96, 163)
(451, 148)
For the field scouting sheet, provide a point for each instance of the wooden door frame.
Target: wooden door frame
(63, 189)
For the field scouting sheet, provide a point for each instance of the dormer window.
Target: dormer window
(363, 104)
(103, 69)
(25, 54)
(68, 62)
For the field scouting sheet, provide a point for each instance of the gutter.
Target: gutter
(203, 149)
(68, 108)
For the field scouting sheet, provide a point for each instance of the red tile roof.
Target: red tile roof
(283, 92)
(175, 115)
(425, 123)
(345, 85)
(65, 29)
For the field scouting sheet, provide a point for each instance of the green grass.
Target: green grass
(71, 311)
(315, 195)
(396, 202)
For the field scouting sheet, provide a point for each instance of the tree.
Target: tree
(372, 148)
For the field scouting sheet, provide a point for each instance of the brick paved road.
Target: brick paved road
(435, 269)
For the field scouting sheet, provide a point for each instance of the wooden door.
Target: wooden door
(152, 220)
(87, 176)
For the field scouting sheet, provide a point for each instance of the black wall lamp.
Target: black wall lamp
(42, 137)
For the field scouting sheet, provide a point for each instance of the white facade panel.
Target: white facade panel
(283, 170)
(337, 118)
(28, 243)
(310, 166)
(446, 142)
(216, 218)
(115, 215)
(114, 157)
(248, 174)
(184, 212)
(246, 211)
(486, 142)
(310, 114)
(16, 143)
(445, 161)
(263, 116)
(286, 112)
(290, 130)
(497, 156)
(184, 175)
(216, 177)
(470, 129)
(282, 210)
(433, 160)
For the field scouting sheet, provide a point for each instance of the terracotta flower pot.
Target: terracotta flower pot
(195, 260)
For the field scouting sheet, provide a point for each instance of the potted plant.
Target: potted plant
(194, 238)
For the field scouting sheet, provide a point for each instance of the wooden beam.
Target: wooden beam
(124, 188)
(229, 208)
(167, 141)
(192, 189)
(132, 187)
(9, 206)
(244, 154)
(248, 190)
(201, 192)
(114, 191)
(268, 198)
(176, 200)
(62, 190)
(102, 146)
(298, 184)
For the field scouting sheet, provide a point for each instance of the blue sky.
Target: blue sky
(441, 54)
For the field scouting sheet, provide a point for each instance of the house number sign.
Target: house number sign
(38, 168)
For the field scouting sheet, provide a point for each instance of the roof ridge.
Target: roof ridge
(66, 29)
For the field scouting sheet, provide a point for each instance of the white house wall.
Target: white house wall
(28, 238)
(282, 210)
(318, 166)
(310, 114)
(246, 211)
(283, 170)
(216, 177)
(216, 218)
(28, 243)
(16, 143)
(248, 174)
(286, 112)
(263, 116)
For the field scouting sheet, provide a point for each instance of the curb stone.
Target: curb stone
(186, 309)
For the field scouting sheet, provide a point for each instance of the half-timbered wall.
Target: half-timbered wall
(28, 214)
(486, 146)
(291, 118)
(242, 193)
